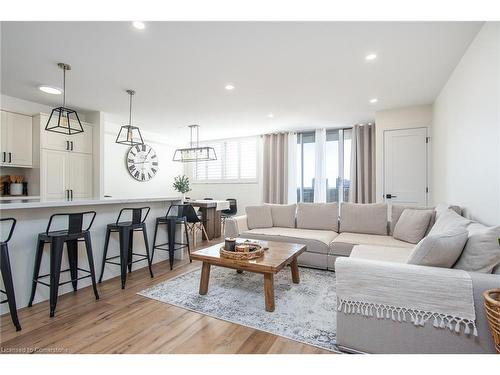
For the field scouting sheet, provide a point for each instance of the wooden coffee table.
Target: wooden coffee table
(279, 255)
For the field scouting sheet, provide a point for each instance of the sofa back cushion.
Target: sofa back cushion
(323, 216)
(259, 217)
(482, 250)
(412, 225)
(447, 220)
(397, 210)
(283, 215)
(439, 250)
(363, 218)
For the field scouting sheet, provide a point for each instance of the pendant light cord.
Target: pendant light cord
(64, 87)
(130, 111)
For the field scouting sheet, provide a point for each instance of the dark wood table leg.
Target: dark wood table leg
(295, 271)
(269, 291)
(205, 276)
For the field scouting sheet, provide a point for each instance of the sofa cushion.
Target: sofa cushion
(317, 241)
(449, 220)
(482, 250)
(283, 215)
(397, 210)
(382, 253)
(440, 250)
(363, 218)
(412, 225)
(322, 216)
(344, 242)
(259, 217)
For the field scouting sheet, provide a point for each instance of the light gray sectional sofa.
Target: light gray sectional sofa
(361, 238)
(317, 225)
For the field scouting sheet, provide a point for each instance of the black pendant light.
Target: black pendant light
(194, 152)
(130, 135)
(68, 121)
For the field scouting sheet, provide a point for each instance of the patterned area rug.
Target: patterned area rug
(304, 312)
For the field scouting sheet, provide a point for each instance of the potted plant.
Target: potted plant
(181, 184)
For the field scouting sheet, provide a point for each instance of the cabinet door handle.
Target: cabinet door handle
(67, 145)
(71, 194)
(66, 194)
(4, 156)
(10, 157)
(71, 145)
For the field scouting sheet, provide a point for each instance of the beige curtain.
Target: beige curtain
(362, 184)
(275, 168)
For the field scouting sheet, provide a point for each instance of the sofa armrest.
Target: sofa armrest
(235, 226)
(388, 336)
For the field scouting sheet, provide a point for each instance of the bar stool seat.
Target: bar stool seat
(126, 231)
(7, 274)
(176, 215)
(57, 238)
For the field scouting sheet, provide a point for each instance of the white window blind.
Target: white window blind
(236, 162)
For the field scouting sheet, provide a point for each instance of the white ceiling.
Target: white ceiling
(308, 74)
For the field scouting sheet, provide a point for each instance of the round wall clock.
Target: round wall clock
(142, 162)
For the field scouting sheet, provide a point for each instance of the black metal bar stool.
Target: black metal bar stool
(7, 274)
(176, 215)
(126, 231)
(71, 236)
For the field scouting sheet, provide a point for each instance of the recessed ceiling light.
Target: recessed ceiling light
(270, 115)
(229, 87)
(50, 90)
(370, 57)
(139, 25)
(374, 100)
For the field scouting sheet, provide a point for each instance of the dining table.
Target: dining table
(211, 215)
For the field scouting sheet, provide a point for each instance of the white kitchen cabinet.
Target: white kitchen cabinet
(80, 142)
(66, 174)
(54, 177)
(16, 140)
(80, 175)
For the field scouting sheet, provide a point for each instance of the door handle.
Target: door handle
(67, 145)
(4, 156)
(71, 145)
(390, 196)
(66, 193)
(10, 157)
(71, 191)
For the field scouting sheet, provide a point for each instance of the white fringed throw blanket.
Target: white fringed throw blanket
(403, 292)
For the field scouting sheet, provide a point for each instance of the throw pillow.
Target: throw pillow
(283, 215)
(482, 251)
(439, 250)
(412, 225)
(322, 216)
(449, 220)
(259, 217)
(397, 210)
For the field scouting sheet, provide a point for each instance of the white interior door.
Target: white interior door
(405, 166)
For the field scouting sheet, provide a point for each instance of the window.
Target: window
(306, 166)
(337, 163)
(236, 162)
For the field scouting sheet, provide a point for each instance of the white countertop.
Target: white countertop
(16, 205)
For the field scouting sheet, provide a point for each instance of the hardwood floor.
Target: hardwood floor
(124, 322)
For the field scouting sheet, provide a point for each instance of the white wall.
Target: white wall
(466, 131)
(117, 180)
(397, 118)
